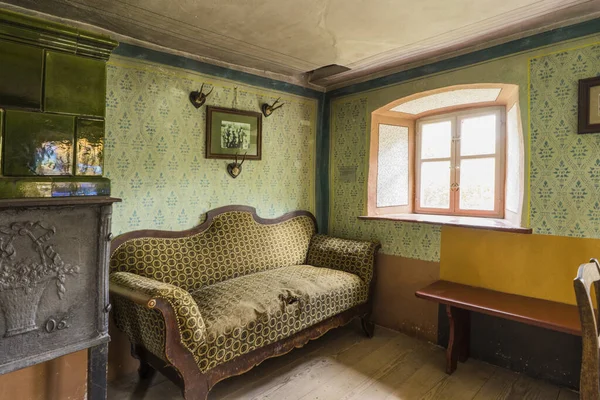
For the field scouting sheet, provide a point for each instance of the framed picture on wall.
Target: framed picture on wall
(231, 132)
(589, 105)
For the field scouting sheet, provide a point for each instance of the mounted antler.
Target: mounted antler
(235, 169)
(268, 109)
(198, 98)
(243, 158)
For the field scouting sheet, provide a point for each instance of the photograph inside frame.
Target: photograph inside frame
(235, 135)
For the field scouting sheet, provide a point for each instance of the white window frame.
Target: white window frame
(455, 158)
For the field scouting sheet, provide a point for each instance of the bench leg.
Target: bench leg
(458, 345)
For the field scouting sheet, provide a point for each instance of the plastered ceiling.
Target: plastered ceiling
(292, 37)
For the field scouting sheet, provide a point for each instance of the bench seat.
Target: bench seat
(460, 299)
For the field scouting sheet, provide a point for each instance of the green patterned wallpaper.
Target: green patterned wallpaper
(349, 148)
(565, 166)
(155, 143)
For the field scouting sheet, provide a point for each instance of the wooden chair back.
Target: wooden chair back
(588, 275)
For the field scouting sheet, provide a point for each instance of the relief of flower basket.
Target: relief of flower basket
(23, 279)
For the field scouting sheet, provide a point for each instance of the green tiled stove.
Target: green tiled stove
(55, 209)
(52, 101)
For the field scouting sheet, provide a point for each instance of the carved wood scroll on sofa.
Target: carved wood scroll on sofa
(212, 302)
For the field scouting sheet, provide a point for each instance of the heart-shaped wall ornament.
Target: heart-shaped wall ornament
(234, 169)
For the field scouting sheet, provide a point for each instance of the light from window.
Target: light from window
(514, 164)
(393, 153)
(460, 163)
(451, 98)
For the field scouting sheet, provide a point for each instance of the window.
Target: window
(447, 155)
(460, 163)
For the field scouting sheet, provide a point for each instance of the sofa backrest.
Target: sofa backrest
(233, 241)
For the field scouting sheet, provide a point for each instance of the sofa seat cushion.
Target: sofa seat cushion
(252, 311)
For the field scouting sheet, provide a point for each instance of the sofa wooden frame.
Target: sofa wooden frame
(182, 368)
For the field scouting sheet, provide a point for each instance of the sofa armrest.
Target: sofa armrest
(354, 256)
(139, 304)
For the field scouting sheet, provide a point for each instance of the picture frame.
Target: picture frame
(589, 106)
(232, 132)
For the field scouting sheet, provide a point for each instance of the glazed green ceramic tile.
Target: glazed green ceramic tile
(20, 75)
(1, 137)
(11, 188)
(38, 144)
(74, 84)
(79, 188)
(50, 35)
(90, 147)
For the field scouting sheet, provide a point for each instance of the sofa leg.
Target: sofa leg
(367, 325)
(145, 371)
(197, 390)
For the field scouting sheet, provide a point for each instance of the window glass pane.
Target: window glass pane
(477, 184)
(478, 135)
(435, 184)
(392, 166)
(436, 140)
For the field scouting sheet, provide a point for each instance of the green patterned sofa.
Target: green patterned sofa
(211, 302)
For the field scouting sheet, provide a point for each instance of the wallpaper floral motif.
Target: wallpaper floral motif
(565, 166)
(155, 143)
(349, 149)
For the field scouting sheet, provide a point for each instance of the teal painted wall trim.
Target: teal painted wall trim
(516, 46)
(322, 184)
(132, 51)
(322, 156)
(322, 168)
(502, 50)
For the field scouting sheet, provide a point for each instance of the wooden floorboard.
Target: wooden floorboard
(345, 377)
(526, 388)
(388, 384)
(566, 394)
(345, 365)
(464, 383)
(273, 372)
(499, 386)
(420, 383)
(367, 357)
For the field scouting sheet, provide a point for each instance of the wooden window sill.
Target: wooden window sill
(494, 224)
